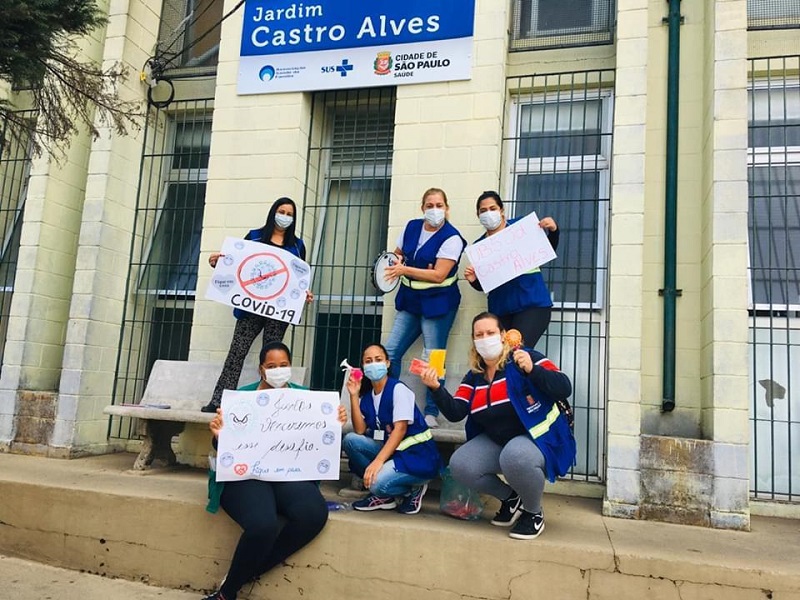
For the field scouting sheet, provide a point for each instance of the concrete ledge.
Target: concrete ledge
(96, 515)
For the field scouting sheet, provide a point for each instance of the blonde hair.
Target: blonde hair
(431, 191)
(476, 362)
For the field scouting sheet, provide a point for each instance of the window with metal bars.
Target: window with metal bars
(15, 161)
(558, 150)
(773, 14)
(540, 24)
(189, 33)
(774, 253)
(346, 209)
(165, 249)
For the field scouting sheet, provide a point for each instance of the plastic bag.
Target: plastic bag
(458, 500)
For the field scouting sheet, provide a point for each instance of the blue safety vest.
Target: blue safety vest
(417, 453)
(421, 297)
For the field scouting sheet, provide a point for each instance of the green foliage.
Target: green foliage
(39, 54)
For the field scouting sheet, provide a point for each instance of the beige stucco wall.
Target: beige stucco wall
(80, 213)
(69, 290)
(107, 221)
(45, 270)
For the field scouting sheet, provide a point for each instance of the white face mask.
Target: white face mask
(434, 217)
(283, 221)
(277, 377)
(491, 219)
(490, 347)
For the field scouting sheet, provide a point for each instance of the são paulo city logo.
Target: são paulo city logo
(383, 63)
(267, 73)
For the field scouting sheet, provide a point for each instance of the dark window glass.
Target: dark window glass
(573, 200)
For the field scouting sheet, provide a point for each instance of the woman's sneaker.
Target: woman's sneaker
(510, 511)
(412, 503)
(373, 502)
(529, 526)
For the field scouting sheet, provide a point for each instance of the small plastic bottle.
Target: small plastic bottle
(334, 506)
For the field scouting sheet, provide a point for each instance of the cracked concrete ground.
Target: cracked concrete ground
(28, 580)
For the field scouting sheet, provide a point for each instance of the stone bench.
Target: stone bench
(186, 386)
(175, 392)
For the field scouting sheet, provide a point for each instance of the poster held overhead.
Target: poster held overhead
(517, 249)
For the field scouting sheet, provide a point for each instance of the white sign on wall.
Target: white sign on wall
(261, 279)
(516, 249)
(332, 44)
(279, 435)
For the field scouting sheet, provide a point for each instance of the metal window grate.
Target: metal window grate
(540, 24)
(773, 14)
(165, 248)
(346, 214)
(558, 152)
(774, 253)
(15, 162)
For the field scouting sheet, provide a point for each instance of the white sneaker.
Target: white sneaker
(431, 421)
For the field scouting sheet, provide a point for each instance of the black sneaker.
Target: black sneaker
(211, 407)
(373, 502)
(215, 596)
(412, 503)
(510, 510)
(528, 527)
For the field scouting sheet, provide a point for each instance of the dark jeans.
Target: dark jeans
(255, 506)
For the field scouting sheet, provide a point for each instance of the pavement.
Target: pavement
(95, 515)
(26, 580)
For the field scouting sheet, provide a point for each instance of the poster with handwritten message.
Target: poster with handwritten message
(279, 435)
(515, 250)
(264, 280)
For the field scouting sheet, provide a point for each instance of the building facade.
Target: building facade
(663, 137)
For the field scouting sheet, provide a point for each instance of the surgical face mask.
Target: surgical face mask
(376, 371)
(491, 219)
(490, 347)
(277, 377)
(283, 221)
(434, 217)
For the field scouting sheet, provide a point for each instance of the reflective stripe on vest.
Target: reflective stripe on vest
(413, 440)
(426, 285)
(544, 426)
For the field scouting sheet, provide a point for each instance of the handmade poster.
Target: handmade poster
(260, 279)
(279, 435)
(515, 250)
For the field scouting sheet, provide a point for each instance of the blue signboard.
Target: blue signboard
(292, 46)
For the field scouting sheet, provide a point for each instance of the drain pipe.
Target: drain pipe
(670, 291)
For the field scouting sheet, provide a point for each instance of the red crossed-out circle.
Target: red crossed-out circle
(282, 270)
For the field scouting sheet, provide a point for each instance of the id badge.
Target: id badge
(378, 435)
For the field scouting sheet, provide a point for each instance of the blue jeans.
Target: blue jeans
(405, 331)
(361, 451)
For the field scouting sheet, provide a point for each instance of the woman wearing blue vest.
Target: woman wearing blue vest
(428, 295)
(390, 446)
(518, 425)
(524, 303)
(279, 230)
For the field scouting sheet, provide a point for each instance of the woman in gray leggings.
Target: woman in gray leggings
(517, 425)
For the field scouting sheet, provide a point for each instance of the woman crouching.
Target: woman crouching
(517, 425)
(391, 446)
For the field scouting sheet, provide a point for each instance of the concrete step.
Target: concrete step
(95, 515)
